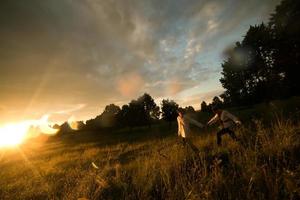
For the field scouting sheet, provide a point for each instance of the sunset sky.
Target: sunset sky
(70, 58)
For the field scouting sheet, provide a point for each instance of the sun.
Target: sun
(13, 134)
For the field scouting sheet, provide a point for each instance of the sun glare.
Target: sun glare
(15, 133)
(12, 134)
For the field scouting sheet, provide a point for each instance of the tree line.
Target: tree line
(265, 64)
(142, 111)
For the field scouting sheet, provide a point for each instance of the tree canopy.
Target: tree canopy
(169, 110)
(263, 65)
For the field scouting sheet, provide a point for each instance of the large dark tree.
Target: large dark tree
(217, 102)
(109, 116)
(204, 107)
(155, 113)
(248, 74)
(189, 109)
(137, 114)
(150, 108)
(64, 128)
(107, 119)
(133, 114)
(123, 116)
(111, 109)
(169, 110)
(148, 102)
(285, 23)
(264, 65)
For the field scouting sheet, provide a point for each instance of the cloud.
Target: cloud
(196, 99)
(70, 110)
(192, 48)
(130, 84)
(57, 53)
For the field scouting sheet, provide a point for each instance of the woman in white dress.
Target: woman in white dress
(184, 130)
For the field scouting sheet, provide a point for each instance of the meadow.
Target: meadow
(151, 163)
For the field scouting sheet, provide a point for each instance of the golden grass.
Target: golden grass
(263, 165)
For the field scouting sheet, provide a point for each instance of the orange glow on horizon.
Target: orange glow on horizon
(14, 134)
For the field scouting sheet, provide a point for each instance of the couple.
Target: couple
(226, 119)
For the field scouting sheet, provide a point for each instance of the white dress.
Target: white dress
(183, 125)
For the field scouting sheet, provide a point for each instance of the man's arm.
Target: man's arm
(196, 123)
(232, 117)
(213, 120)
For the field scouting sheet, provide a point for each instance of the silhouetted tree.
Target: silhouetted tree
(169, 110)
(56, 126)
(109, 116)
(217, 102)
(226, 99)
(80, 125)
(111, 109)
(107, 119)
(93, 124)
(264, 65)
(123, 116)
(147, 101)
(137, 114)
(64, 128)
(285, 25)
(155, 113)
(204, 107)
(150, 108)
(189, 109)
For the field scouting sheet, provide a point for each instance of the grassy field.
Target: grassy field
(153, 164)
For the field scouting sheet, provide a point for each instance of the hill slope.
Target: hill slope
(264, 165)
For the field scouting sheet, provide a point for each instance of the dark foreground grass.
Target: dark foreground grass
(263, 165)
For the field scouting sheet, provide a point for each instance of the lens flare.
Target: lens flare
(73, 123)
(12, 134)
(15, 133)
(43, 124)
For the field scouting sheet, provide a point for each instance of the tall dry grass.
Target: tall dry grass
(264, 164)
